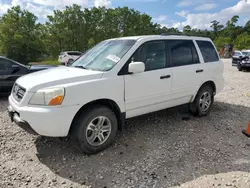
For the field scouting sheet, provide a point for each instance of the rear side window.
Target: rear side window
(208, 51)
(182, 52)
(74, 53)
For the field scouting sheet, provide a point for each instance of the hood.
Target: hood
(56, 76)
(34, 68)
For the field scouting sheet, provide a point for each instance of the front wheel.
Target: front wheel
(95, 129)
(203, 101)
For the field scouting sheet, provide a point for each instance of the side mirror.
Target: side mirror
(136, 67)
(15, 68)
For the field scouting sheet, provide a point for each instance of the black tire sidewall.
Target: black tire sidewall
(70, 61)
(83, 122)
(198, 111)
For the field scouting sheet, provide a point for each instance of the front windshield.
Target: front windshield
(105, 55)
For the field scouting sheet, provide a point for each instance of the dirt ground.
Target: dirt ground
(156, 150)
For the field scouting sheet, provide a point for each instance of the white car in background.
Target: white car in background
(68, 57)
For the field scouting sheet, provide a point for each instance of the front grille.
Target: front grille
(18, 92)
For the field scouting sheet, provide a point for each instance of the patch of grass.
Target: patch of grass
(46, 62)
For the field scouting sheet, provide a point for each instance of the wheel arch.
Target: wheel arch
(105, 102)
(209, 83)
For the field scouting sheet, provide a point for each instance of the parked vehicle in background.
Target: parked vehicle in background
(115, 80)
(68, 57)
(244, 63)
(236, 57)
(246, 52)
(11, 70)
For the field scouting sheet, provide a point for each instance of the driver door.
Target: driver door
(150, 90)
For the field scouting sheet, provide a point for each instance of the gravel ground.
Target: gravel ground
(156, 150)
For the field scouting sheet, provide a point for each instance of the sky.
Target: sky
(169, 13)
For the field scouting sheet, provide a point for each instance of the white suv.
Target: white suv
(115, 80)
(66, 58)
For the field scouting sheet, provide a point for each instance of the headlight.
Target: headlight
(243, 62)
(48, 97)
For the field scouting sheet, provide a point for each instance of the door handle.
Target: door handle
(165, 77)
(200, 70)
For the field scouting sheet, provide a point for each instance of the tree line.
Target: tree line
(24, 39)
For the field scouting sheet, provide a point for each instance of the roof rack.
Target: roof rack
(167, 34)
(181, 34)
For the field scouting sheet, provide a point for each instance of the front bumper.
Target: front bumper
(14, 117)
(245, 65)
(45, 121)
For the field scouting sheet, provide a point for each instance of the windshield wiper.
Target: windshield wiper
(81, 67)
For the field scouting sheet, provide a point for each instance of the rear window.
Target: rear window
(208, 51)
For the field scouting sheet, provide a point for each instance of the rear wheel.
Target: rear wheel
(70, 61)
(203, 101)
(95, 129)
(240, 69)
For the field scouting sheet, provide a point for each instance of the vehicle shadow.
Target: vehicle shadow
(3, 102)
(158, 149)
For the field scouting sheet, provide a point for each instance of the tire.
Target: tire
(239, 69)
(69, 62)
(81, 126)
(196, 107)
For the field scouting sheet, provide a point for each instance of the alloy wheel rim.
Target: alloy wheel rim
(98, 131)
(205, 101)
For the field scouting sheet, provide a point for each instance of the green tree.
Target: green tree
(247, 27)
(221, 41)
(217, 27)
(243, 41)
(187, 29)
(20, 35)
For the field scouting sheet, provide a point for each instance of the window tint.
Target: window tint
(182, 52)
(5, 64)
(74, 53)
(152, 54)
(208, 51)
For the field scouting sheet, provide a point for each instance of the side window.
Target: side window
(5, 64)
(208, 51)
(152, 54)
(74, 53)
(183, 52)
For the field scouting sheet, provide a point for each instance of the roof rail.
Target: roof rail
(167, 34)
(181, 34)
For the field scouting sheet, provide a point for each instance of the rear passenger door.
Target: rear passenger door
(186, 69)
